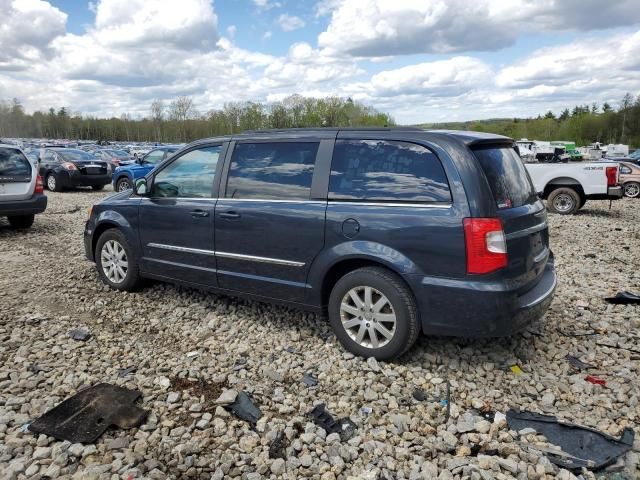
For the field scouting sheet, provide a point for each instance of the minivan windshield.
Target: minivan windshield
(507, 176)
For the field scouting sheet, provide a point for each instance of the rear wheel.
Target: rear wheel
(565, 201)
(117, 265)
(52, 183)
(632, 189)
(123, 185)
(21, 221)
(373, 313)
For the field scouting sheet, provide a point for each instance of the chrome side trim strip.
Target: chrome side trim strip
(181, 249)
(253, 258)
(271, 200)
(394, 204)
(235, 256)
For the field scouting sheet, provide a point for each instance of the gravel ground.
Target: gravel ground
(173, 335)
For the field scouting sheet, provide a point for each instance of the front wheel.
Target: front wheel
(123, 185)
(117, 265)
(373, 313)
(21, 221)
(564, 201)
(52, 183)
(632, 189)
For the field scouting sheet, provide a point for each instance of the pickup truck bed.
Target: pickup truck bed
(567, 186)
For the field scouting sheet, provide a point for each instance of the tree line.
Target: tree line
(582, 124)
(180, 120)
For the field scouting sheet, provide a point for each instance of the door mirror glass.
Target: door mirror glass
(140, 187)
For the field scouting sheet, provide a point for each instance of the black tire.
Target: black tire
(97, 188)
(52, 183)
(131, 279)
(400, 300)
(632, 189)
(21, 221)
(583, 200)
(563, 200)
(123, 184)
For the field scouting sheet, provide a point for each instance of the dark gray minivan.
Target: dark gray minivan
(390, 231)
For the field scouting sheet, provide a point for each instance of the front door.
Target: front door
(177, 219)
(268, 231)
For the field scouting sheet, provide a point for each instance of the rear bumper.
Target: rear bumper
(613, 193)
(480, 309)
(31, 206)
(76, 179)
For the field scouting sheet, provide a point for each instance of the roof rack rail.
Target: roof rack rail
(313, 129)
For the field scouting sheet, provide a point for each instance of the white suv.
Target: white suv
(21, 188)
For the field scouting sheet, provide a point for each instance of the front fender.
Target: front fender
(112, 219)
(356, 250)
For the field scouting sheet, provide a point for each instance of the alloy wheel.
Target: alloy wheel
(368, 317)
(123, 186)
(632, 190)
(51, 182)
(114, 261)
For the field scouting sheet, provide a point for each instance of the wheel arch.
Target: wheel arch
(108, 220)
(563, 182)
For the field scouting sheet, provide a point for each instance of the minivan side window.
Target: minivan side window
(278, 170)
(189, 176)
(388, 171)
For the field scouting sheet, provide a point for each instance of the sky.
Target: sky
(419, 60)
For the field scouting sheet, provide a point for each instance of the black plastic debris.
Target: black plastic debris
(293, 351)
(79, 334)
(245, 409)
(576, 363)
(278, 448)
(585, 447)
(35, 368)
(123, 372)
(624, 298)
(419, 395)
(343, 427)
(85, 416)
(309, 380)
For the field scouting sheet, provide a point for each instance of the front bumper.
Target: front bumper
(76, 179)
(480, 309)
(88, 239)
(31, 206)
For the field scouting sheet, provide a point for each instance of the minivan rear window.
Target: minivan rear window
(507, 176)
(13, 163)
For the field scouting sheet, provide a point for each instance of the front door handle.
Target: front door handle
(230, 215)
(199, 213)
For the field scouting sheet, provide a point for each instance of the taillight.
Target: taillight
(486, 245)
(612, 176)
(39, 185)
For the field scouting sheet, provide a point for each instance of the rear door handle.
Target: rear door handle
(199, 213)
(230, 215)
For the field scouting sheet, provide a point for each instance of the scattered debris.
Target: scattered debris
(192, 354)
(582, 304)
(344, 426)
(515, 369)
(244, 408)
(79, 334)
(577, 333)
(499, 417)
(419, 395)
(576, 363)
(582, 446)
(240, 363)
(278, 448)
(35, 368)
(293, 351)
(85, 416)
(596, 380)
(366, 410)
(309, 380)
(624, 298)
(123, 372)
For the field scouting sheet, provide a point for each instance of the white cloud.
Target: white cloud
(266, 4)
(231, 31)
(267, 35)
(390, 27)
(27, 28)
(289, 23)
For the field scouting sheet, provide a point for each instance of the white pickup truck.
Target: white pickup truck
(567, 186)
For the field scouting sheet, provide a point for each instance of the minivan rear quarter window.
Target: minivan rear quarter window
(507, 176)
(278, 170)
(386, 171)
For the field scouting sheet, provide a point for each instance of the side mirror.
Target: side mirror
(140, 187)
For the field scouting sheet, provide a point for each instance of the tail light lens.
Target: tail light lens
(39, 185)
(486, 245)
(68, 166)
(612, 176)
